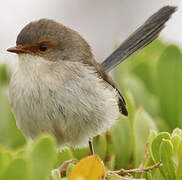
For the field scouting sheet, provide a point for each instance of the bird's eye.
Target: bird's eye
(43, 47)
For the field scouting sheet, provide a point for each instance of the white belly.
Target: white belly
(69, 101)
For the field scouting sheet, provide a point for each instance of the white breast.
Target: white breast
(66, 99)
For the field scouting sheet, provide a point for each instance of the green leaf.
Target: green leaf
(177, 131)
(131, 107)
(42, 158)
(169, 88)
(143, 125)
(10, 135)
(142, 96)
(5, 159)
(179, 166)
(80, 153)
(110, 145)
(142, 65)
(166, 154)
(158, 175)
(17, 170)
(1, 164)
(145, 69)
(55, 174)
(111, 161)
(122, 140)
(154, 148)
(152, 135)
(4, 75)
(176, 140)
(122, 135)
(62, 156)
(69, 169)
(149, 162)
(100, 146)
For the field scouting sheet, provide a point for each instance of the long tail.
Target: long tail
(143, 36)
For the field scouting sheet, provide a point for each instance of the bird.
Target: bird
(59, 88)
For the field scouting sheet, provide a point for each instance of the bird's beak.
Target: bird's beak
(17, 49)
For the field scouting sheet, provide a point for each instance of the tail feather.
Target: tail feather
(143, 36)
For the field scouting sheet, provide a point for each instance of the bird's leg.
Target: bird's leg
(91, 146)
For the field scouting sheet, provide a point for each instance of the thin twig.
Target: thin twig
(121, 177)
(110, 173)
(123, 172)
(146, 154)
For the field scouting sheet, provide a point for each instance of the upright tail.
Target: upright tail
(143, 36)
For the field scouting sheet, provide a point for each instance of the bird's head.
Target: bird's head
(51, 41)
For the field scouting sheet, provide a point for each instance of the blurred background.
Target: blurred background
(102, 23)
(150, 80)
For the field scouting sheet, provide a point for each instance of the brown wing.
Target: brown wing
(108, 79)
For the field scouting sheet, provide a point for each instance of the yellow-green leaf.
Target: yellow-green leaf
(100, 146)
(42, 158)
(88, 168)
(179, 166)
(154, 148)
(17, 170)
(166, 153)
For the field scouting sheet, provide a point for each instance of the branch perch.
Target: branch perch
(123, 172)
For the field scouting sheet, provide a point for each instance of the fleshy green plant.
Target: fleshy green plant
(153, 77)
(150, 136)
